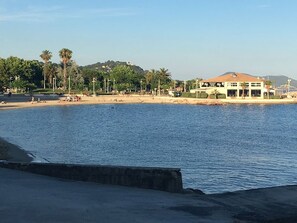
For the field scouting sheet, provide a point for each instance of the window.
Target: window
(232, 84)
(256, 84)
(245, 84)
(256, 93)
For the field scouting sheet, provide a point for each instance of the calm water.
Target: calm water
(218, 148)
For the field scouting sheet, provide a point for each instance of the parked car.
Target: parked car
(174, 93)
(177, 94)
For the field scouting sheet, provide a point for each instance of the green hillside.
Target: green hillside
(110, 64)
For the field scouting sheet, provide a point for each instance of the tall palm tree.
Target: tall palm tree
(164, 75)
(65, 55)
(150, 77)
(46, 56)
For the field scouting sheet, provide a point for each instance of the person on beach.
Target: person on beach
(32, 100)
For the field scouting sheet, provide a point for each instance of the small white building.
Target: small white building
(234, 85)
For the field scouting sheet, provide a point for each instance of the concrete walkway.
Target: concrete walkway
(26, 197)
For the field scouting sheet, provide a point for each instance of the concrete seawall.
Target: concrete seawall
(164, 179)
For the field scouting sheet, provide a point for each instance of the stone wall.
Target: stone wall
(164, 179)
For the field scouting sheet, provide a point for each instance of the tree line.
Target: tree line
(28, 75)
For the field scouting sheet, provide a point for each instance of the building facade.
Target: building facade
(235, 85)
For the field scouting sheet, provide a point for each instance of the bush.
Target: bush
(193, 95)
(273, 97)
(188, 95)
(221, 96)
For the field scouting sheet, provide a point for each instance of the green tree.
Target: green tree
(32, 73)
(151, 79)
(46, 56)
(88, 75)
(124, 76)
(27, 73)
(52, 72)
(65, 55)
(76, 76)
(4, 78)
(164, 75)
(268, 84)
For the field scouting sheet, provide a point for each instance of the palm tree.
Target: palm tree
(164, 77)
(65, 55)
(268, 83)
(243, 86)
(46, 56)
(164, 74)
(52, 71)
(215, 92)
(150, 77)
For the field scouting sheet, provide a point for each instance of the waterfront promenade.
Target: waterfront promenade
(27, 197)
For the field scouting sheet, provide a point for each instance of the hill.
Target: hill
(281, 80)
(111, 64)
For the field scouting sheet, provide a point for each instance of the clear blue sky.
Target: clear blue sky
(191, 38)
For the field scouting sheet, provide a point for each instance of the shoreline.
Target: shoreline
(137, 99)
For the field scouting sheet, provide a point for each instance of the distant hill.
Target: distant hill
(276, 80)
(281, 80)
(111, 64)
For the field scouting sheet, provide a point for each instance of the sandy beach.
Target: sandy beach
(137, 99)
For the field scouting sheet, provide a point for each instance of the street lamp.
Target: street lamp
(159, 87)
(114, 85)
(54, 84)
(185, 86)
(69, 85)
(108, 70)
(196, 88)
(289, 82)
(140, 86)
(94, 81)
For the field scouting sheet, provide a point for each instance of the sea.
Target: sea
(218, 148)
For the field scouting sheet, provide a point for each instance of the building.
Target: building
(234, 85)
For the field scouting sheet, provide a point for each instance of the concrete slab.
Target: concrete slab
(26, 197)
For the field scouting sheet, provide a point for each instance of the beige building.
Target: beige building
(234, 85)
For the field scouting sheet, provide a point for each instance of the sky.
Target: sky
(190, 38)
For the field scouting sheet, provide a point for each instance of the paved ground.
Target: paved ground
(33, 198)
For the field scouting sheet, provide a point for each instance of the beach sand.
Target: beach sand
(138, 99)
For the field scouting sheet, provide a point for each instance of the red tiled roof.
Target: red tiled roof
(234, 77)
